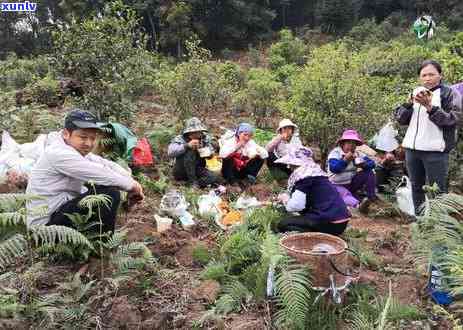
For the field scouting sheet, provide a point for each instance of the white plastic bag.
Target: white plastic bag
(404, 196)
(20, 158)
(208, 204)
(33, 150)
(386, 138)
(247, 202)
(173, 203)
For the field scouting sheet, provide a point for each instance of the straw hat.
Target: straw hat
(286, 123)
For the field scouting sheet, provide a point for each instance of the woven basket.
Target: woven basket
(301, 247)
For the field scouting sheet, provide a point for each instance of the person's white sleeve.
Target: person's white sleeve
(263, 153)
(335, 154)
(112, 165)
(297, 202)
(227, 148)
(74, 165)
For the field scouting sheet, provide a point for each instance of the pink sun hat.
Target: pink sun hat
(351, 135)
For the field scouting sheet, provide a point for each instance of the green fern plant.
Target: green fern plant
(19, 240)
(215, 270)
(69, 307)
(236, 295)
(438, 236)
(293, 294)
(372, 312)
(131, 257)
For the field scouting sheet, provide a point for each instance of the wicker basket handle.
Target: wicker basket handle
(344, 273)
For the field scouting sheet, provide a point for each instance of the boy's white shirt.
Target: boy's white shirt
(60, 173)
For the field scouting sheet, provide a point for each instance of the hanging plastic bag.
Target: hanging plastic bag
(404, 197)
(141, 154)
(424, 27)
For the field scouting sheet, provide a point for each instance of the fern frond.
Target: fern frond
(94, 201)
(214, 270)
(132, 256)
(226, 304)
(293, 297)
(13, 202)
(272, 253)
(454, 267)
(11, 249)
(444, 204)
(116, 239)
(384, 314)
(235, 296)
(360, 321)
(53, 235)
(13, 219)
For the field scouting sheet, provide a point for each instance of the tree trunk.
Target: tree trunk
(153, 39)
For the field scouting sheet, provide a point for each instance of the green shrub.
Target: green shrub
(395, 58)
(46, 91)
(17, 73)
(332, 94)
(214, 271)
(288, 50)
(262, 92)
(101, 53)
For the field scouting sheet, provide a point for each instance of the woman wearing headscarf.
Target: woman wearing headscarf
(242, 156)
(320, 206)
(432, 115)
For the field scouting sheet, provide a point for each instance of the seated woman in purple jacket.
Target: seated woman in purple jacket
(353, 170)
(313, 196)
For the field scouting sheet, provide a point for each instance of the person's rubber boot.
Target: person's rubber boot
(364, 206)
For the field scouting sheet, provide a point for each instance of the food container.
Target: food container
(205, 152)
(162, 223)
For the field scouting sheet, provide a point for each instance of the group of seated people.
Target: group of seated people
(320, 197)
